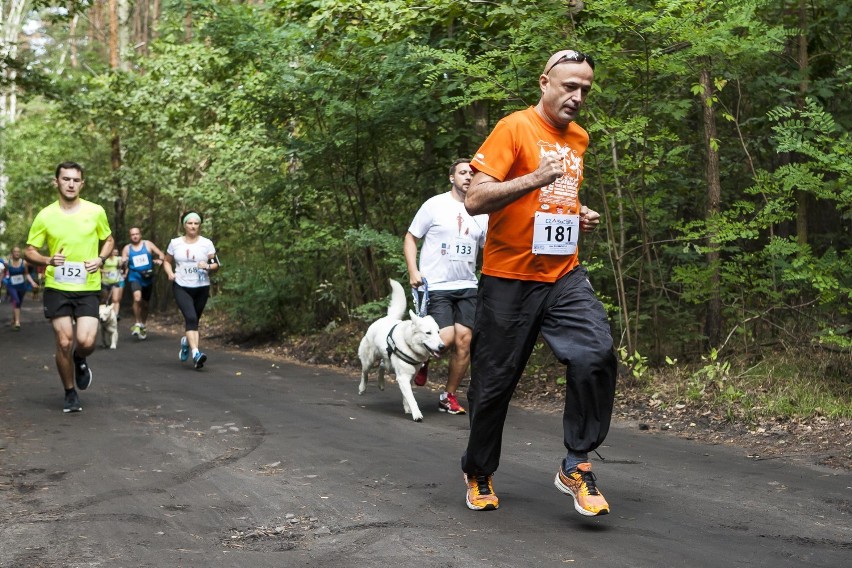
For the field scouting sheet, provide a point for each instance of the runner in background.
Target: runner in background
(139, 257)
(17, 281)
(189, 261)
(112, 282)
(451, 240)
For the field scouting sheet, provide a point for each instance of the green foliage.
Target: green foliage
(813, 133)
(714, 379)
(371, 311)
(385, 247)
(715, 371)
(30, 149)
(636, 364)
(308, 133)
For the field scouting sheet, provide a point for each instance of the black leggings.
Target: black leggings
(191, 302)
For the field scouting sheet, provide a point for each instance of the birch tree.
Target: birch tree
(11, 15)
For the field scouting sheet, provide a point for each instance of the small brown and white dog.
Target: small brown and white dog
(109, 326)
(399, 347)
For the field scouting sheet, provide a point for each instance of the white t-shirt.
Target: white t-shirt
(187, 256)
(451, 240)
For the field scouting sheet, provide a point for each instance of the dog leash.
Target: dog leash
(419, 306)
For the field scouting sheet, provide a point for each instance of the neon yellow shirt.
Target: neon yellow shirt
(110, 272)
(78, 235)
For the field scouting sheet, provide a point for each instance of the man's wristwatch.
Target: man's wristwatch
(103, 260)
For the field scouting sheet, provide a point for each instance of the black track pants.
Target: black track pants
(510, 314)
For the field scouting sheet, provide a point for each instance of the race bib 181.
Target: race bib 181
(555, 234)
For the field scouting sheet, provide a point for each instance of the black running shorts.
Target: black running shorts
(146, 290)
(450, 307)
(58, 303)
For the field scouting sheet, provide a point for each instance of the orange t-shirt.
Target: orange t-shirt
(513, 149)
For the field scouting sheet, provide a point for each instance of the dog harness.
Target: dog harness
(394, 350)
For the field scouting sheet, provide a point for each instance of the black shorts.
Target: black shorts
(108, 288)
(449, 307)
(58, 303)
(146, 290)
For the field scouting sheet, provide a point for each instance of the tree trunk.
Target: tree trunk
(427, 157)
(144, 25)
(802, 58)
(72, 40)
(123, 16)
(617, 247)
(187, 23)
(463, 149)
(115, 143)
(713, 322)
(95, 20)
(114, 61)
(121, 192)
(480, 120)
(155, 19)
(11, 18)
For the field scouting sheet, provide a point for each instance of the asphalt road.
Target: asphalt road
(254, 463)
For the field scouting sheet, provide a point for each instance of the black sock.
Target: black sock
(69, 390)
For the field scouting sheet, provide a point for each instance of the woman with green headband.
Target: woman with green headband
(189, 261)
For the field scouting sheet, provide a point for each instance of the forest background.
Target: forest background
(308, 132)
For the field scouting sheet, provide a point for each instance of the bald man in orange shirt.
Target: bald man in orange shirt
(528, 175)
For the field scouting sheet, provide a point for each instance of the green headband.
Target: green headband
(192, 217)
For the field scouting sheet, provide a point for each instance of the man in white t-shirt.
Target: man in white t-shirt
(451, 240)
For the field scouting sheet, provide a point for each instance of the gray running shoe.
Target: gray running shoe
(72, 402)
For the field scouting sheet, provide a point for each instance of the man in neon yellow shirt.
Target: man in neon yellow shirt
(78, 240)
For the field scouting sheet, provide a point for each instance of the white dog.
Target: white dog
(399, 347)
(109, 326)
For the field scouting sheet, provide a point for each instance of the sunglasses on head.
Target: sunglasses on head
(573, 57)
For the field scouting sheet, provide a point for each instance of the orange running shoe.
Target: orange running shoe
(480, 493)
(580, 485)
